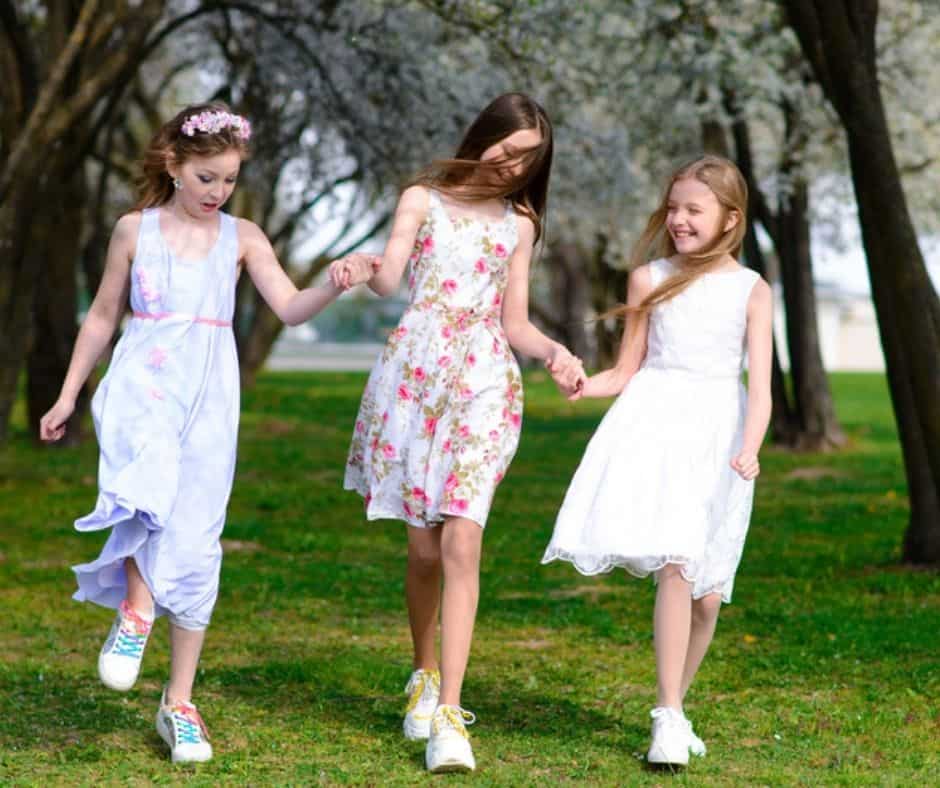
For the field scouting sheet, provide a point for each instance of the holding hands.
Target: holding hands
(353, 269)
(566, 370)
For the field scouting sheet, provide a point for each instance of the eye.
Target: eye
(230, 180)
(205, 179)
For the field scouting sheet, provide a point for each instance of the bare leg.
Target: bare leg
(704, 618)
(423, 593)
(185, 647)
(671, 624)
(138, 595)
(461, 545)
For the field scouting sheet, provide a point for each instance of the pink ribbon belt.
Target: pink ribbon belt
(209, 321)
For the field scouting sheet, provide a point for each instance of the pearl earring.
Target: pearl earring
(177, 184)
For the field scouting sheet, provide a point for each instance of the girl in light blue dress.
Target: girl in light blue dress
(166, 412)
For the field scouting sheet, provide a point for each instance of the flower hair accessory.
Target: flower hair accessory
(213, 122)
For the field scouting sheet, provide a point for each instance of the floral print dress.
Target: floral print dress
(440, 416)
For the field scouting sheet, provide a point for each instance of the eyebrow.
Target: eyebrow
(209, 171)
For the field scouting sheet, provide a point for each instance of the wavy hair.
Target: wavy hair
(169, 144)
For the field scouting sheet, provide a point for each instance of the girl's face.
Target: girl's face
(206, 181)
(694, 216)
(513, 148)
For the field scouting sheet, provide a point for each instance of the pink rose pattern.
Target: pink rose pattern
(440, 417)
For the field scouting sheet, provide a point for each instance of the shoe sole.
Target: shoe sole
(450, 768)
(167, 739)
(658, 756)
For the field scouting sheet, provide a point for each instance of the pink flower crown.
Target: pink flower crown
(213, 122)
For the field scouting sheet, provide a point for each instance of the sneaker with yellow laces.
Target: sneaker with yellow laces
(448, 748)
(423, 690)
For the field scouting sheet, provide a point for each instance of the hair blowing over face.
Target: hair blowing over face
(729, 187)
(460, 176)
(170, 145)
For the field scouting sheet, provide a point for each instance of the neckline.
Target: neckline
(485, 221)
(177, 257)
(737, 270)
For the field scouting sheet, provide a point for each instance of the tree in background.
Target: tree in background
(838, 38)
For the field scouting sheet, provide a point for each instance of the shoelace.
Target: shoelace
(455, 717)
(418, 683)
(188, 724)
(132, 634)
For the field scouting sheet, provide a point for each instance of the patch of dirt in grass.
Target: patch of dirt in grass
(814, 472)
(276, 427)
(592, 591)
(239, 546)
(533, 644)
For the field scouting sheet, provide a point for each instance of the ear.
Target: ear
(732, 220)
(172, 165)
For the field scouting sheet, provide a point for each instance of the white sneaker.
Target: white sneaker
(423, 690)
(121, 654)
(448, 747)
(181, 727)
(696, 745)
(670, 745)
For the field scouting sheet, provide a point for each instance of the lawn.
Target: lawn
(825, 669)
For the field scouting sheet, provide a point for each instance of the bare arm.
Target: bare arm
(99, 326)
(291, 305)
(759, 350)
(632, 346)
(410, 214)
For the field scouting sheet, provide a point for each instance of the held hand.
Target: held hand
(566, 370)
(746, 465)
(353, 269)
(52, 425)
(603, 384)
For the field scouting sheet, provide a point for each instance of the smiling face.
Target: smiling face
(694, 216)
(513, 150)
(206, 181)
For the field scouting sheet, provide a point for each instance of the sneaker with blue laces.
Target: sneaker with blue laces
(181, 727)
(121, 654)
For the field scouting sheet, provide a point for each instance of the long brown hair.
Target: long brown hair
(528, 191)
(169, 144)
(729, 187)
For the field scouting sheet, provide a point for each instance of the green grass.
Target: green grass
(825, 670)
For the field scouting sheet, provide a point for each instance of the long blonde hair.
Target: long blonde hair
(727, 183)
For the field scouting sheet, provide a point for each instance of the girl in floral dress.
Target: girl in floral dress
(166, 412)
(441, 414)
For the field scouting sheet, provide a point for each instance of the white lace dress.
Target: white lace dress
(655, 485)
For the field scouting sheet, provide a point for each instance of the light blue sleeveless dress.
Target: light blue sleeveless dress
(166, 417)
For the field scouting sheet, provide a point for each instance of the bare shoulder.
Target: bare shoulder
(761, 293)
(526, 228)
(126, 230)
(250, 235)
(415, 200)
(641, 278)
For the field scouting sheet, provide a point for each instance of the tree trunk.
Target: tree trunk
(817, 426)
(838, 38)
(55, 245)
(569, 286)
(783, 418)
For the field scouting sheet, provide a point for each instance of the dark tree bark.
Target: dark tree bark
(817, 426)
(838, 39)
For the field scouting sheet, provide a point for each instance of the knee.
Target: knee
(705, 610)
(671, 573)
(424, 559)
(461, 556)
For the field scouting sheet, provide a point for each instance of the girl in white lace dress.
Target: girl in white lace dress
(666, 482)
(441, 413)
(166, 412)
